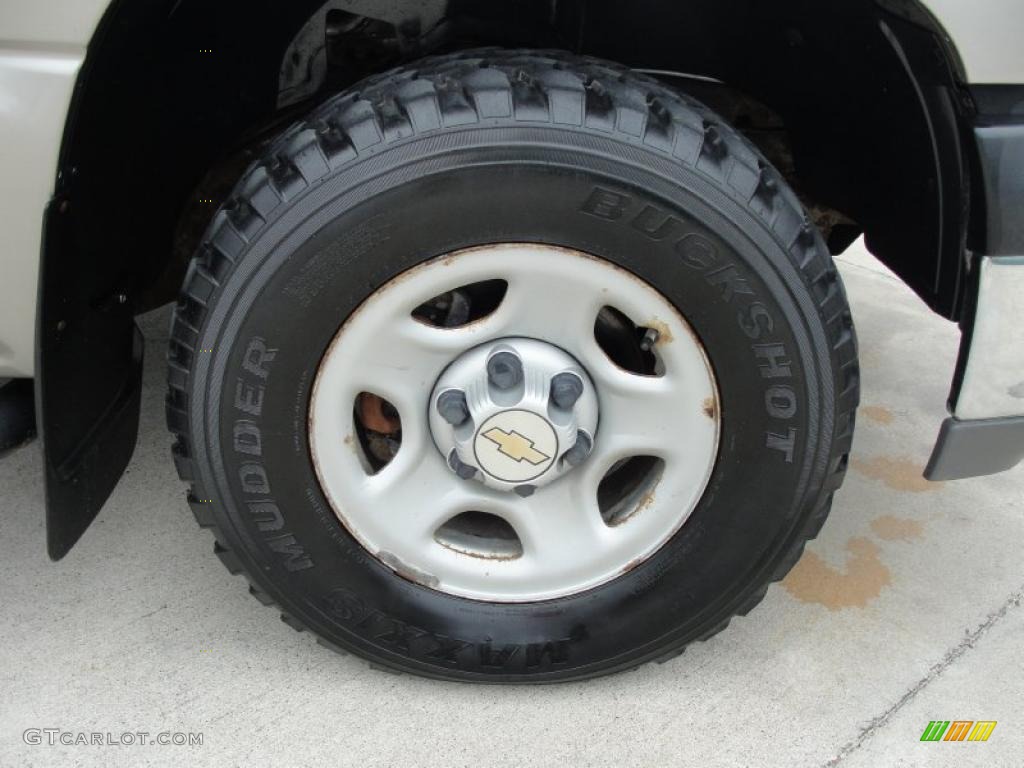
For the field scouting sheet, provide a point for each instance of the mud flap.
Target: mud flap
(88, 382)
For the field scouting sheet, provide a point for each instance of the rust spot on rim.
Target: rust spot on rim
(479, 555)
(710, 408)
(406, 571)
(645, 501)
(664, 332)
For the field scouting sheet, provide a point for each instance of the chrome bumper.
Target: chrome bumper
(985, 433)
(992, 385)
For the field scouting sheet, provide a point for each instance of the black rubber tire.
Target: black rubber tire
(488, 146)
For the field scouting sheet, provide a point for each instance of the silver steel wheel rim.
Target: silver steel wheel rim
(554, 295)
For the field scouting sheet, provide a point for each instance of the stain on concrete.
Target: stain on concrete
(813, 580)
(877, 413)
(898, 473)
(891, 528)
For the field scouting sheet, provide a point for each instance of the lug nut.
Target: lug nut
(580, 449)
(452, 406)
(504, 369)
(525, 490)
(463, 470)
(566, 389)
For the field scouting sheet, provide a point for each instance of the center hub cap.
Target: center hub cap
(514, 414)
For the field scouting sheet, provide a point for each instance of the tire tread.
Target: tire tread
(487, 85)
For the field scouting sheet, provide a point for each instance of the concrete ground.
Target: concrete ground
(906, 609)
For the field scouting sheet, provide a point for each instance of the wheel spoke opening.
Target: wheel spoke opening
(480, 534)
(631, 347)
(628, 487)
(463, 305)
(379, 429)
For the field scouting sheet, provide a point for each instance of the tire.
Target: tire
(506, 146)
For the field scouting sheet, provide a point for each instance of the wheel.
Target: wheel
(512, 366)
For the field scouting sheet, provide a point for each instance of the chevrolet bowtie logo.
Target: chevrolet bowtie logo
(515, 446)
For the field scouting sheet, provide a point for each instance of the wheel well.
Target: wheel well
(859, 103)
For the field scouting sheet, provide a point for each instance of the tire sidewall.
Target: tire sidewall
(719, 264)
